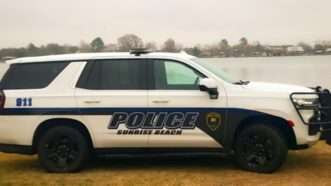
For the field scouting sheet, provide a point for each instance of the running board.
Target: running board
(158, 152)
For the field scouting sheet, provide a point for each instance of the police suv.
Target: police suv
(66, 108)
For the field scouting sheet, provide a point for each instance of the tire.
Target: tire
(260, 148)
(63, 149)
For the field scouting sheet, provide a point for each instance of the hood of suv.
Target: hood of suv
(276, 87)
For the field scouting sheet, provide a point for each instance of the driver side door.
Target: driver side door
(175, 91)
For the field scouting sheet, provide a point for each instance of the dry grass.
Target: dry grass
(308, 167)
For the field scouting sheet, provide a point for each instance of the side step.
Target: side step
(159, 152)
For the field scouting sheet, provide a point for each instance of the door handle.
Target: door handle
(92, 101)
(160, 101)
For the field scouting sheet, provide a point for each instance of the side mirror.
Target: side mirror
(210, 86)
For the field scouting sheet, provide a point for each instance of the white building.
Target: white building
(295, 50)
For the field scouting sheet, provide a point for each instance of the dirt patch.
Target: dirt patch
(307, 167)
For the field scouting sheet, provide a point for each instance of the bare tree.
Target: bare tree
(151, 46)
(242, 49)
(32, 50)
(170, 46)
(224, 44)
(225, 48)
(128, 42)
(97, 44)
(243, 42)
(306, 47)
(84, 47)
(212, 50)
(319, 47)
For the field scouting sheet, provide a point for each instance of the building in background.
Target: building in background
(295, 50)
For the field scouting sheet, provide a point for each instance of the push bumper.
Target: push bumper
(320, 122)
(326, 135)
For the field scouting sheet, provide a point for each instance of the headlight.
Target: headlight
(306, 101)
(307, 107)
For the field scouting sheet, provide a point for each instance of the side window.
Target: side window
(171, 75)
(114, 75)
(31, 75)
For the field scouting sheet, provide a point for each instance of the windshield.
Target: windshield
(215, 69)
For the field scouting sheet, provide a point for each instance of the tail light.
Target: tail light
(2, 99)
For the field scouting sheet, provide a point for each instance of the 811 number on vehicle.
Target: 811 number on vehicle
(24, 102)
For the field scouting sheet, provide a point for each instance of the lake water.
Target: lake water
(301, 70)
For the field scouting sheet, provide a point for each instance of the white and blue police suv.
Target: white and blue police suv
(66, 108)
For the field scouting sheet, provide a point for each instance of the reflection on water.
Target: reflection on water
(301, 70)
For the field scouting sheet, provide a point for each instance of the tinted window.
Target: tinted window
(114, 75)
(173, 75)
(31, 75)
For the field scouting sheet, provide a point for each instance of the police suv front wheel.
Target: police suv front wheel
(260, 148)
(63, 149)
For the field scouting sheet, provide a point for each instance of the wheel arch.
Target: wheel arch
(281, 124)
(54, 122)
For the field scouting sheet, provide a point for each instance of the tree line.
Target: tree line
(223, 48)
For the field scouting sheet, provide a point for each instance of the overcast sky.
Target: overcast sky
(187, 21)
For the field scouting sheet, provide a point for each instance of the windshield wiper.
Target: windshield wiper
(241, 82)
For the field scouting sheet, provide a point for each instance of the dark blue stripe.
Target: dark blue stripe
(96, 111)
(103, 111)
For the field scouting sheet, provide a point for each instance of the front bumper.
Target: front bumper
(320, 122)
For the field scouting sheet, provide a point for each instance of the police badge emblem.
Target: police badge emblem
(213, 121)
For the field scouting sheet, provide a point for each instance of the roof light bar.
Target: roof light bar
(139, 51)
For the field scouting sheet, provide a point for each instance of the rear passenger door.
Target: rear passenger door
(107, 92)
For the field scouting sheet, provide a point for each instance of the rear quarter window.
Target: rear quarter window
(31, 75)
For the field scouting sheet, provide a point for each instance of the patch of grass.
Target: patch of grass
(307, 167)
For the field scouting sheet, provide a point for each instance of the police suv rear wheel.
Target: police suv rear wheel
(63, 149)
(260, 148)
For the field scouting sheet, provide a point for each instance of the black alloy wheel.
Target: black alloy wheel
(260, 148)
(63, 149)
